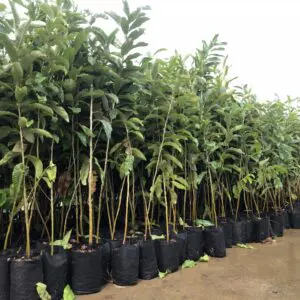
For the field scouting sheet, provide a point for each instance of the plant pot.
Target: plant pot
(214, 241)
(248, 231)
(106, 262)
(287, 224)
(148, 263)
(24, 275)
(277, 223)
(167, 255)
(261, 229)
(237, 232)
(55, 269)
(86, 271)
(227, 230)
(125, 265)
(295, 219)
(182, 246)
(195, 243)
(4, 276)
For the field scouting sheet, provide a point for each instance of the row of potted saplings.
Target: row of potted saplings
(88, 269)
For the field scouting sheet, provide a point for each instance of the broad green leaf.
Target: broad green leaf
(80, 39)
(100, 170)
(51, 172)
(107, 128)
(41, 132)
(173, 145)
(20, 93)
(127, 166)
(17, 72)
(5, 131)
(41, 289)
(84, 171)
(137, 153)
(44, 108)
(7, 114)
(82, 137)
(67, 237)
(17, 180)
(173, 159)
(68, 293)
(245, 246)
(178, 185)
(138, 22)
(87, 131)
(204, 258)
(157, 237)
(205, 223)
(2, 7)
(9, 47)
(38, 166)
(162, 275)
(188, 264)
(61, 112)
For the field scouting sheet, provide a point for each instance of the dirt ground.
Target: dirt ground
(270, 271)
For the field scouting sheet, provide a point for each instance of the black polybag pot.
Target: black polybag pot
(106, 262)
(215, 241)
(287, 224)
(237, 232)
(167, 255)
(86, 271)
(277, 223)
(227, 229)
(248, 231)
(261, 229)
(148, 263)
(181, 239)
(4, 276)
(24, 275)
(55, 269)
(125, 265)
(295, 219)
(195, 243)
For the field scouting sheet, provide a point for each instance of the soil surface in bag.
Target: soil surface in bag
(4, 276)
(214, 242)
(24, 275)
(195, 243)
(167, 255)
(295, 219)
(287, 224)
(181, 239)
(148, 263)
(277, 223)
(125, 265)
(227, 229)
(261, 229)
(55, 269)
(86, 270)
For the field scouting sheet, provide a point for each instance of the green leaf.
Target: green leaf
(204, 258)
(188, 264)
(205, 223)
(51, 172)
(28, 135)
(44, 108)
(38, 166)
(138, 22)
(179, 185)
(173, 145)
(82, 137)
(6, 158)
(23, 122)
(61, 112)
(7, 114)
(41, 289)
(67, 237)
(127, 166)
(2, 7)
(87, 131)
(20, 93)
(107, 128)
(17, 72)
(245, 246)
(5, 131)
(162, 275)
(100, 170)
(68, 293)
(17, 180)
(157, 237)
(137, 153)
(9, 47)
(173, 159)
(84, 171)
(41, 132)
(80, 39)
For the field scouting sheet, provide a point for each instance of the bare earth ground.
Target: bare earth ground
(270, 271)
